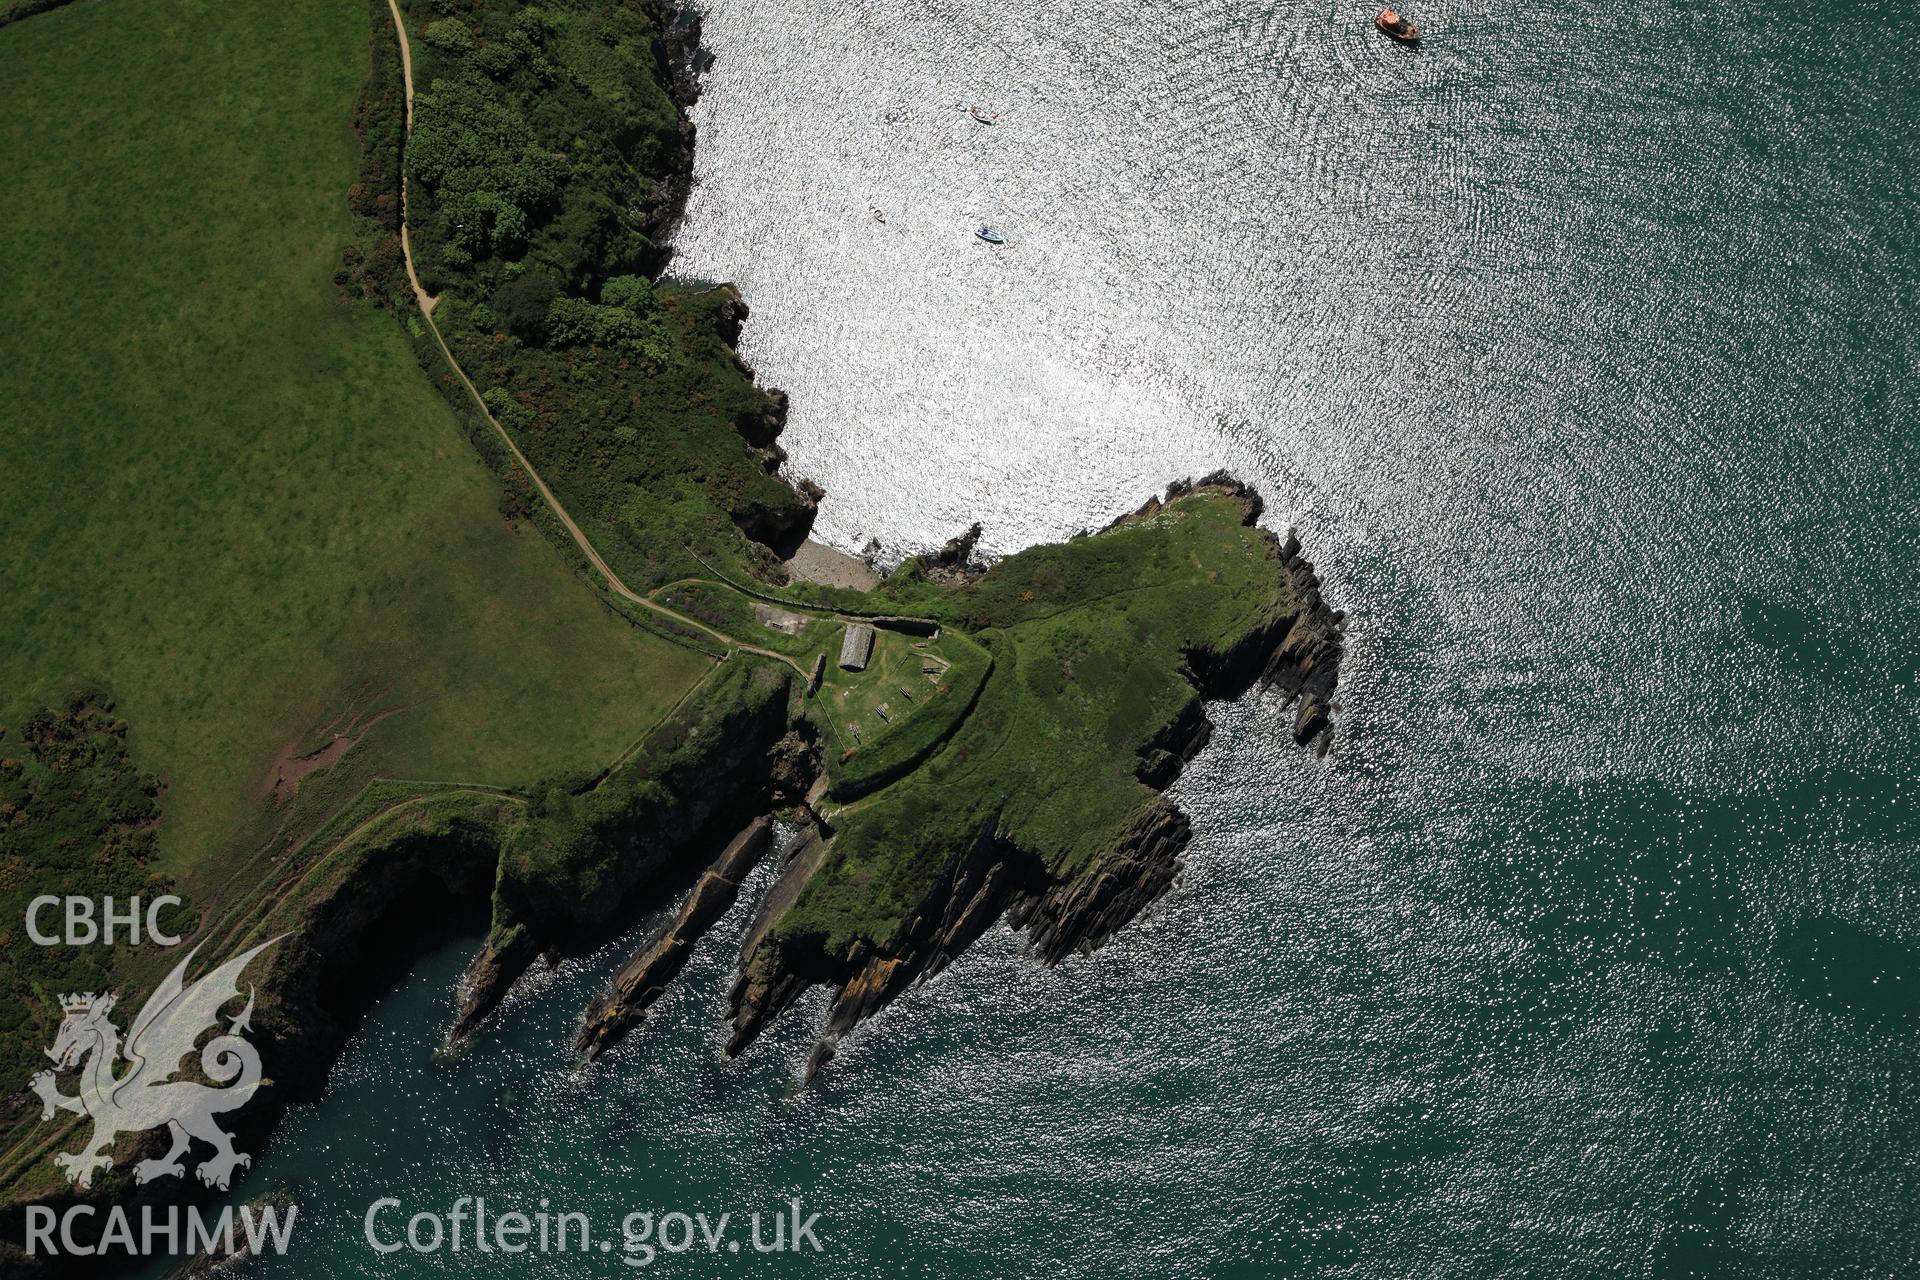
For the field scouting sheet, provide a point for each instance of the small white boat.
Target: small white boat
(983, 115)
(990, 235)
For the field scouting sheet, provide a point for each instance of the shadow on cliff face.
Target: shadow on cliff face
(396, 906)
(423, 916)
(345, 953)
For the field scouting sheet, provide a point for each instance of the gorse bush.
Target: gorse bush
(490, 176)
(627, 317)
(76, 818)
(544, 159)
(537, 131)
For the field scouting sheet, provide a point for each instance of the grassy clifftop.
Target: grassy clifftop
(1006, 744)
(228, 498)
(1089, 639)
(343, 676)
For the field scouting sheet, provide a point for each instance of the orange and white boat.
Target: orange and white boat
(1397, 27)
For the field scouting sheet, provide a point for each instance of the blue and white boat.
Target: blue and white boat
(990, 235)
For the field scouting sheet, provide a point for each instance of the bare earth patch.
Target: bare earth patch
(290, 765)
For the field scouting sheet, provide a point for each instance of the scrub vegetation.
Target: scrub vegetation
(229, 504)
(77, 817)
(545, 163)
(1089, 642)
(363, 664)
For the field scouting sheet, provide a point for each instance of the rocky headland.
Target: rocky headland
(1055, 694)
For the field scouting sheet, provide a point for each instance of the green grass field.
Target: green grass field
(1088, 641)
(229, 499)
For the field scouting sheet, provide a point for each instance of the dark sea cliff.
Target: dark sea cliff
(1586, 368)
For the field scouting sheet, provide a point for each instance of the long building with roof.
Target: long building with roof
(856, 647)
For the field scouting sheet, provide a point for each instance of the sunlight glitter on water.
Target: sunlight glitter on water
(1584, 368)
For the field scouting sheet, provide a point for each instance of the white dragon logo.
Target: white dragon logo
(147, 1096)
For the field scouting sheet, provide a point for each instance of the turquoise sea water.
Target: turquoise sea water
(1582, 351)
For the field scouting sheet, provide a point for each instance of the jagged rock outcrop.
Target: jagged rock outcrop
(1305, 662)
(954, 565)
(678, 61)
(780, 525)
(1079, 913)
(579, 863)
(772, 973)
(1179, 741)
(681, 57)
(727, 323)
(505, 955)
(761, 427)
(1069, 910)
(779, 522)
(1298, 651)
(1251, 501)
(794, 762)
(644, 977)
(1073, 914)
